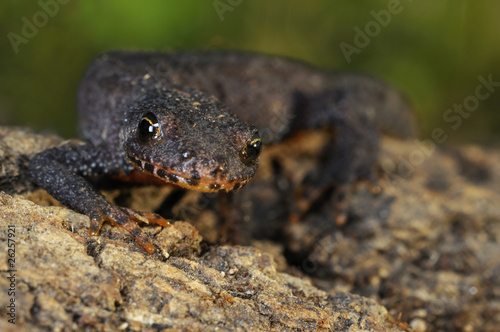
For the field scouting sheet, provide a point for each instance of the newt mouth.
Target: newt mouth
(180, 179)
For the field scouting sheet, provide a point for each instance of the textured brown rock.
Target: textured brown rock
(427, 248)
(66, 280)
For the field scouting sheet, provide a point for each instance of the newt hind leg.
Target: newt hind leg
(57, 171)
(349, 155)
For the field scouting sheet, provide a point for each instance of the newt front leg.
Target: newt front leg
(59, 171)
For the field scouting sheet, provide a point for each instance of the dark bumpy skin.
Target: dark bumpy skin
(179, 136)
(279, 96)
(273, 93)
(200, 145)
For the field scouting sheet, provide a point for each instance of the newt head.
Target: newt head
(190, 139)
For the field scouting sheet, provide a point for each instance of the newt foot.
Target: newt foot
(128, 219)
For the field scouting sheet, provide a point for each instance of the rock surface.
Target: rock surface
(67, 281)
(427, 248)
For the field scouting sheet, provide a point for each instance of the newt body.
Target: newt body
(165, 115)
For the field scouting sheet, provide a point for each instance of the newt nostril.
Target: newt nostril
(187, 154)
(221, 169)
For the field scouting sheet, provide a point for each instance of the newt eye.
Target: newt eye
(149, 126)
(251, 150)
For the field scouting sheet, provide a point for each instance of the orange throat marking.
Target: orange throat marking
(180, 179)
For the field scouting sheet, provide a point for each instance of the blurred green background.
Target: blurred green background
(434, 51)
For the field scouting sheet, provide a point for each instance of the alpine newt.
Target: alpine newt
(193, 120)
